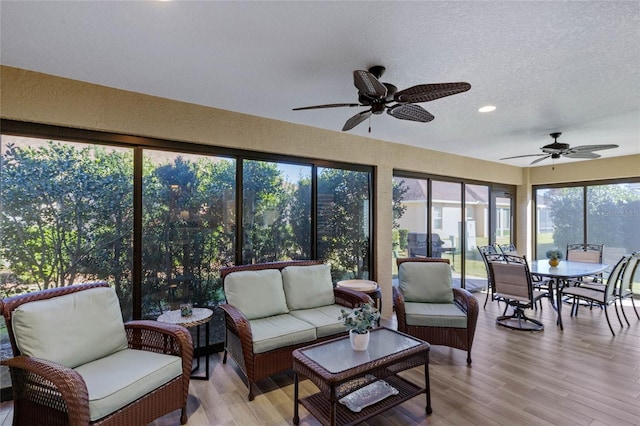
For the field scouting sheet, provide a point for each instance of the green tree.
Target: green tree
(301, 218)
(610, 216)
(398, 208)
(66, 214)
(343, 217)
(267, 233)
(188, 233)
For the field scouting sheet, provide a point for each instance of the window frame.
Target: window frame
(585, 201)
(140, 143)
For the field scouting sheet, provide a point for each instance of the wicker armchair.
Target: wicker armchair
(429, 308)
(240, 337)
(69, 387)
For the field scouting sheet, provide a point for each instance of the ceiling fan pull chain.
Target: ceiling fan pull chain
(369, 124)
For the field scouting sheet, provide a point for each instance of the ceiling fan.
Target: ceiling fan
(556, 150)
(376, 95)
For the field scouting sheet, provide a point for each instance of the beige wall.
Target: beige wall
(40, 98)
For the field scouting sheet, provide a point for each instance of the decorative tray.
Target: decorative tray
(368, 395)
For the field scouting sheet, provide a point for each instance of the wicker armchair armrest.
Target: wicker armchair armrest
(465, 300)
(398, 303)
(237, 322)
(351, 298)
(36, 380)
(153, 336)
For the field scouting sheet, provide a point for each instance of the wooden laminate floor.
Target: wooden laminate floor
(580, 376)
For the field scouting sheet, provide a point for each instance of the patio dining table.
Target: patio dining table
(560, 275)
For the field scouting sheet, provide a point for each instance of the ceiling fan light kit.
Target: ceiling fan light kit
(557, 149)
(377, 96)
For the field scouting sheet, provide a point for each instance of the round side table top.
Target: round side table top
(199, 316)
(358, 285)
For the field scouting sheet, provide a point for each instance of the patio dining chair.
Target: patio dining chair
(588, 253)
(513, 283)
(509, 248)
(601, 298)
(489, 251)
(625, 289)
(538, 282)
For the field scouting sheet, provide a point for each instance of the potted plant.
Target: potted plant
(554, 256)
(358, 322)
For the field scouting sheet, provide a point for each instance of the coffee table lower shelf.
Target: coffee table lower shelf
(318, 404)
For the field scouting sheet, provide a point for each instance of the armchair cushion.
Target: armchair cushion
(308, 286)
(258, 294)
(279, 331)
(123, 377)
(435, 315)
(426, 282)
(68, 330)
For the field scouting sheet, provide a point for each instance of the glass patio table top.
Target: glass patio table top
(559, 276)
(566, 268)
(383, 343)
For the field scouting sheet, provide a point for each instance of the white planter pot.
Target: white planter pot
(359, 342)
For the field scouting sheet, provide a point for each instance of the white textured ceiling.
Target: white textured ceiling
(572, 67)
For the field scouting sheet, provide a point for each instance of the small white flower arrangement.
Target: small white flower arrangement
(360, 320)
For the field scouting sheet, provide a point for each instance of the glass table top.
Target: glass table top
(566, 268)
(338, 356)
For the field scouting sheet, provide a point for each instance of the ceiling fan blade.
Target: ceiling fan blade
(588, 148)
(429, 92)
(540, 159)
(326, 106)
(582, 155)
(520, 156)
(356, 119)
(410, 112)
(368, 85)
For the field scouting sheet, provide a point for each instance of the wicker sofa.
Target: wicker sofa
(274, 308)
(76, 363)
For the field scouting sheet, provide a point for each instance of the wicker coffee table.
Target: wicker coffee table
(339, 372)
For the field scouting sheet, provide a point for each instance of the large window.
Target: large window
(276, 212)
(158, 219)
(344, 220)
(187, 229)
(597, 213)
(446, 218)
(67, 216)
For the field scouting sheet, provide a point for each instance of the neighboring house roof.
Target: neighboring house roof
(417, 191)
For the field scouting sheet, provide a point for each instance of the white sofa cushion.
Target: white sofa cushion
(308, 286)
(324, 318)
(67, 330)
(279, 331)
(257, 294)
(427, 282)
(122, 377)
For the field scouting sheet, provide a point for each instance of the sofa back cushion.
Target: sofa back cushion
(426, 282)
(72, 329)
(307, 287)
(258, 294)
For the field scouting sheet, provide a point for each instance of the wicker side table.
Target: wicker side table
(196, 319)
(370, 288)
